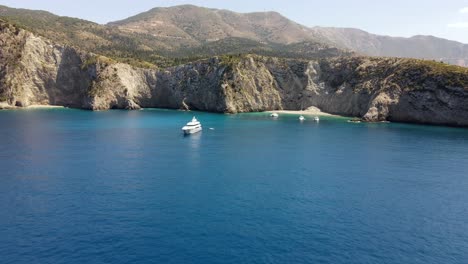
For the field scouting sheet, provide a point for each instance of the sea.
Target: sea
(128, 187)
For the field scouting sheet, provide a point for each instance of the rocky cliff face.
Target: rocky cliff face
(376, 89)
(36, 71)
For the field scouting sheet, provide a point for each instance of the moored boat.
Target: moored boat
(192, 127)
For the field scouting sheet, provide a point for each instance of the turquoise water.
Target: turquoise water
(127, 187)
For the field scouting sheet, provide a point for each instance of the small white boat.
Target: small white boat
(316, 119)
(274, 115)
(301, 118)
(192, 127)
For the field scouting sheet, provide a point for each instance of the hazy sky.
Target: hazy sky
(442, 18)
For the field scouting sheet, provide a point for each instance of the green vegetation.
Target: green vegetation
(91, 60)
(231, 60)
(419, 72)
(434, 67)
(368, 73)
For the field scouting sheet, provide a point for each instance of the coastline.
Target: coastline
(311, 111)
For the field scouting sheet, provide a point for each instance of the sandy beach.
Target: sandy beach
(6, 106)
(311, 111)
(42, 106)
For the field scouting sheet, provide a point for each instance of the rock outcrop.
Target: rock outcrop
(34, 70)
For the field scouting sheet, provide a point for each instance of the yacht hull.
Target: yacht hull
(192, 130)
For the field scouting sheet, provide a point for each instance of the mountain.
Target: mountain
(191, 26)
(197, 25)
(141, 46)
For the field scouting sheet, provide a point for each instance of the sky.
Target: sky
(405, 18)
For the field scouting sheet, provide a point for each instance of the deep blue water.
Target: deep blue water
(127, 187)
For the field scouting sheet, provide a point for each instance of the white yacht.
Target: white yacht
(301, 118)
(316, 119)
(274, 115)
(192, 127)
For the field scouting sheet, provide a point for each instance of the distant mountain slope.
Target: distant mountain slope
(236, 46)
(423, 47)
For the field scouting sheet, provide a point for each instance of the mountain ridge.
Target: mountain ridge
(358, 40)
(214, 24)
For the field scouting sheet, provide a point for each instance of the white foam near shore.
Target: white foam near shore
(311, 111)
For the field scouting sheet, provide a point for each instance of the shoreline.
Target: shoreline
(4, 106)
(43, 107)
(311, 111)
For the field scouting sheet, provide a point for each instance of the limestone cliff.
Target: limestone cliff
(35, 71)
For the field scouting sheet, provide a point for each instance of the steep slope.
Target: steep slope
(34, 70)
